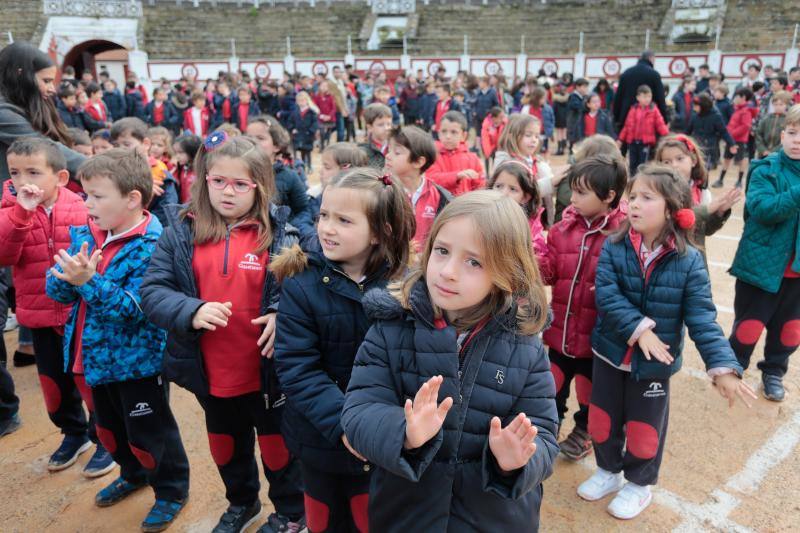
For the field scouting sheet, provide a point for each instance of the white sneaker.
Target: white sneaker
(601, 484)
(630, 501)
(11, 322)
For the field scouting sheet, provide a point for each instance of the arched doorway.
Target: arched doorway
(88, 54)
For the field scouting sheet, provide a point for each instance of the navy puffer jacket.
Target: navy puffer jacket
(452, 483)
(676, 295)
(320, 326)
(170, 300)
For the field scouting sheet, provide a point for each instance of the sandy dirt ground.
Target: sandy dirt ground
(724, 469)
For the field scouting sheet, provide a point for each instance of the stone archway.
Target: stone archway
(82, 56)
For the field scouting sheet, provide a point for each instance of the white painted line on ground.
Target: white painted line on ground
(726, 237)
(779, 446)
(720, 264)
(700, 517)
(725, 309)
(737, 217)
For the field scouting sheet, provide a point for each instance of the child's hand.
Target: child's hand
(212, 314)
(267, 338)
(619, 143)
(424, 417)
(730, 386)
(79, 268)
(467, 174)
(157, 190)
(725, 201)
(30, 196)
(513, 445)
(652, 347)
(733, 149)
(351, 449)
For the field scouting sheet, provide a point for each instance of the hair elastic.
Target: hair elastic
(386, 179)
(685, 218)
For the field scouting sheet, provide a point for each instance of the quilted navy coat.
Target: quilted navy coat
(677, 295)
(452, 483)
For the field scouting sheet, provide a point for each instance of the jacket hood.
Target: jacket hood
(380, 305)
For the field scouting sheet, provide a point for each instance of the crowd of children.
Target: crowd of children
(385, 337)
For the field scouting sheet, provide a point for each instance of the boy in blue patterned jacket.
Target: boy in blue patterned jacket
(110, 340)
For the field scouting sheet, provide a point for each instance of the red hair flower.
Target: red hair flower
(386, 179)
(685, 218)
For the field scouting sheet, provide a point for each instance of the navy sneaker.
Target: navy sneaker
(162, 514)
(66, 454)
(7, 427)
(773, 387)
(116, 491)
(278, 523)
(100, 464)
(237, 518)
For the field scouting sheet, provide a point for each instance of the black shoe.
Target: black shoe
(717, 184)
(162, 514)
(66, 454)
(7, 427)
(237, 518)
(116, 491)
(739, 183)
(773, 387)
(24, 359)
(278, 523)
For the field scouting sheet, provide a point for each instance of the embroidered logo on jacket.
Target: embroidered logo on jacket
(654, 390)
(142, 408)
(250, 262)
(429, 212)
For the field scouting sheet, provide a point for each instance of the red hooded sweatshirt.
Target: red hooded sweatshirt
(450, 162)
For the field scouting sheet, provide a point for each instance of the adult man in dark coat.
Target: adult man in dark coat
(642, 73)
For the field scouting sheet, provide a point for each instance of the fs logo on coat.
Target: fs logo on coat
(655, 390)
(250, 262)
(142, 408)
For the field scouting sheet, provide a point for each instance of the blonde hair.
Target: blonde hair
(792, 116)
(208, 225)
(160, 131)
(513, 132)
(311, 105)
(596, 145)
(504, 234)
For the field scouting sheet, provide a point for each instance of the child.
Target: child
(412, 152)
(455, 327)
(383, 95)
(67, 104)
(682, 154)
(573, 246)
(185, 148)
(485, 99)
(768, 133)
(96, 113)
(536, 105)
(767, 266)
(327, 113)
(514, 179)
(303, 123)
(427, 106)
(456, 168)
(723, 103)
(161, 146)
(222, 102)
(81, 142)
(110, 341)
(683, 103)
(594, 120)
(378, 120)
(244, 109)
(209, 287)
(444, 104)
(131, 133)
(559, 98)
(364, 228)
(520, 141)
(36, 214)
(160, 112)
(576, 103)
(274, 140)
(708, 127)
(739, 128)
(491, 129)
(196, 118)
(115, 102)
(643, 125)
(638, 337)
(101, 141)
(336, 158)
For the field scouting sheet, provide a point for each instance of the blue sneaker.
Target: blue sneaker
(66, 454)
(116, 491)
(100, 464)
(162, 514)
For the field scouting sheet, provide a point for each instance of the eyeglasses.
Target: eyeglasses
(220, 183)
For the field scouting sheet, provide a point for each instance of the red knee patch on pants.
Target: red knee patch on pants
(107, 439)
(790, 333)
(85, 390)
(558, 375)
(748, 331)
(317, 514)
(51, 392)
(145, 458)
(221, 448)
(583, 388)
(358, 507)
(642, 439)
(273, 452)
(599, 424)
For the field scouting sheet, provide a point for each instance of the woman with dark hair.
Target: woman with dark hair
(27, 88)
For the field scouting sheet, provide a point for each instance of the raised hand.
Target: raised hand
(652, 347)
(424, 417)
(267, 339)
(78, 269)
(730, 386)
(30, 196)
(212, 314)
(514, 445)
